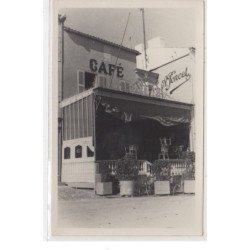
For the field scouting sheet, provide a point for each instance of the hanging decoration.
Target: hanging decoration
(127, 117)
(168, 121)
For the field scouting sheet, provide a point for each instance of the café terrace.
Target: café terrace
(108, 106)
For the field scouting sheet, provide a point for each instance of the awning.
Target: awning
(168, 121)
(130, 107)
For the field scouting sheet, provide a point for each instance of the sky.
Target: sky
(176, 26)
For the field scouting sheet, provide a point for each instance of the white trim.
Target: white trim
(87, 116)
(78, 84)
(83, 125)
(76, 98)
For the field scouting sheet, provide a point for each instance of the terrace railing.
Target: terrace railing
(178, 166)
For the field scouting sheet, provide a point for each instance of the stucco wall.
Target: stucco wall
(78, 50)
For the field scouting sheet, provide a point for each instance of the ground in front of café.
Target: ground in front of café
(82, 208)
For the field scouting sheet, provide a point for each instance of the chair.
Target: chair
(165, 143)
(131, 152)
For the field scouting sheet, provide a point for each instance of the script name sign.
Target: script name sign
(174, 80)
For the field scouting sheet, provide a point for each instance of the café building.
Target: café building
(107, 104)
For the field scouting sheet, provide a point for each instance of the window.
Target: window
(78, 151)
(89, 80)
(67, 153)
(85, 80)
(90, 153)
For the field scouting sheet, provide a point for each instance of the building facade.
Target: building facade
(107, 102)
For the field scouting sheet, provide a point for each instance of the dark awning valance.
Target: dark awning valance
(130, 107)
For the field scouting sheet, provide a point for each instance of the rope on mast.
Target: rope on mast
(119, 50)
(144, 38)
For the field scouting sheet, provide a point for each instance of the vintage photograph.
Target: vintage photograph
(127, 122)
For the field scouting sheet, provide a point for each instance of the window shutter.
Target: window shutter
(80, 78)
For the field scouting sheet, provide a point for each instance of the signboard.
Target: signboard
(104, 68)
(174, 80)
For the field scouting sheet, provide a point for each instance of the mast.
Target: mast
(144, 38)
(119, 50)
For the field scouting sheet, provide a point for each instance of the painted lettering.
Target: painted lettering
(120, 72)
(173, 77)
(111, 69)
(107, 69)
(93, 65)
(102, 69)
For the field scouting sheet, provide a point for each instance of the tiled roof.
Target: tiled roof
(101, 40)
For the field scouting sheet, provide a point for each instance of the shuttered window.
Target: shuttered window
(85, 80)
(81, 79)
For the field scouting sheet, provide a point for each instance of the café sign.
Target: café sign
(174, 80)
(107, 69)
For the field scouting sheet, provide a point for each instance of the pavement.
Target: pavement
(81, 208)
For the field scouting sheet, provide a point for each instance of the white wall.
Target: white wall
(174, 60)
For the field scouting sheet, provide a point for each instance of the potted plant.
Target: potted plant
(127, 172)
(161, 171)
(189, 181)
(177, 184)
(189, 175)
(104, 184)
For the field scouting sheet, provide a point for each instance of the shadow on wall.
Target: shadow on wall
(90, 44)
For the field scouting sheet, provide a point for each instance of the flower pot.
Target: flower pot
(126, 188)
(189, 186)
(177, 185)
(104, 188)
(162, 187)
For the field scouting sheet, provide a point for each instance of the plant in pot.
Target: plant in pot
(189, 175)
(127, 172)
(161, 171)
(104, 185)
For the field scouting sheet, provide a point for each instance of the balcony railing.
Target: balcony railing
(138, 87)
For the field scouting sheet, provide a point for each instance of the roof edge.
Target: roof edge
(101, 40)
